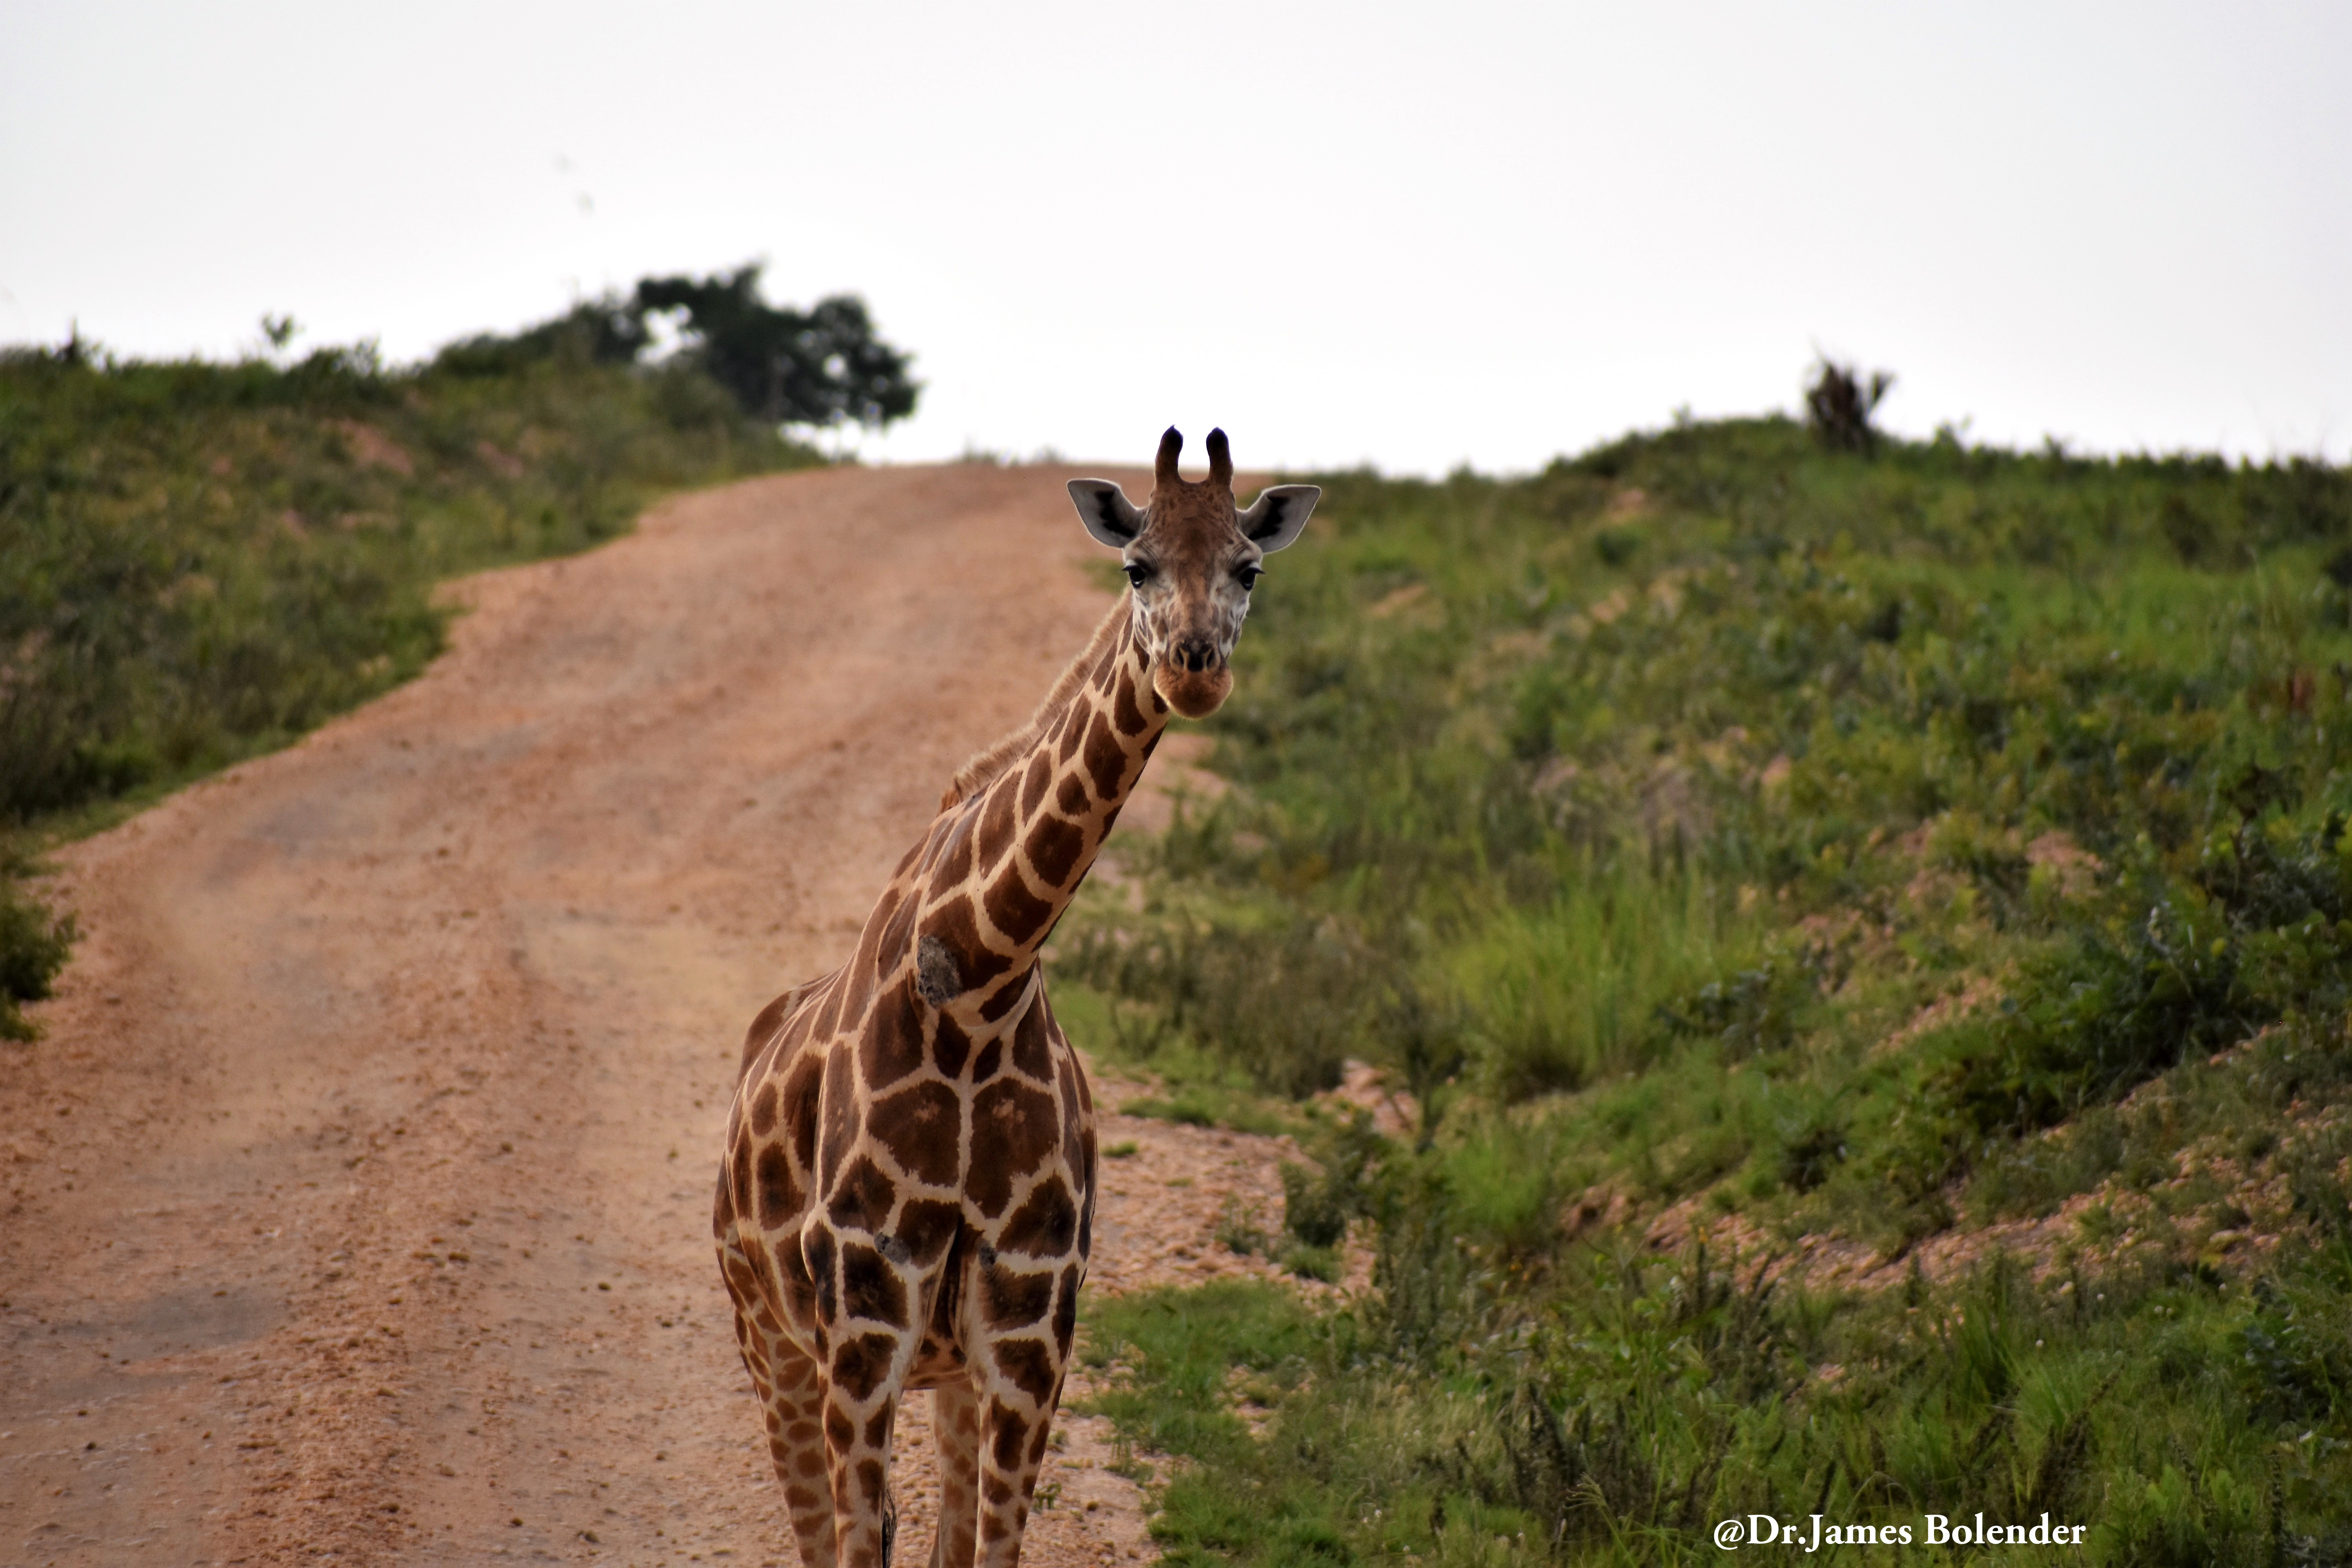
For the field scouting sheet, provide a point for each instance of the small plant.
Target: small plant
(1320, 1263)
(1241, 1228)
(33, 948)
(1615, 546)
(1184, 1110)
(1124, 1149)
(1312, 1209)
(1839, 406)
(1318, 1205)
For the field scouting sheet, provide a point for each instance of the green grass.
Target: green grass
(201, 562)
(1645, 1399)
(1807, 850)
(1199, 1088)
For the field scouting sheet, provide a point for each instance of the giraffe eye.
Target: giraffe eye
(1249, 576)
(1138, 573)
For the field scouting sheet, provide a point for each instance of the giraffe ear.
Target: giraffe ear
(1104, 507)
(1274, 519)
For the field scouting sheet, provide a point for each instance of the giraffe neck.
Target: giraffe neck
(1007, 862)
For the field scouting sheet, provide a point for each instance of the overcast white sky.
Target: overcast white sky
(1412, 235)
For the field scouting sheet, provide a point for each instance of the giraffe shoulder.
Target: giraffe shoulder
(775, 1021)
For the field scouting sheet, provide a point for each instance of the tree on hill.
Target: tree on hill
(819, 367)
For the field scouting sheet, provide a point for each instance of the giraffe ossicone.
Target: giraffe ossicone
(907, 1200)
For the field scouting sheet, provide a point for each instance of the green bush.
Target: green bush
(33, 948)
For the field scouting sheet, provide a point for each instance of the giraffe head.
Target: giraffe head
(1192, 557)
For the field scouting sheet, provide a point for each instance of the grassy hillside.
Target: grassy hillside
(1924, 873)
(199, 562)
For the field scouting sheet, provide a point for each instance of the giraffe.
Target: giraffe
(907, 1197)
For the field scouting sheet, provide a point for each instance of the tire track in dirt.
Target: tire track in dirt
(356, 1204)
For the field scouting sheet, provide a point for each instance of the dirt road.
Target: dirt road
(356, 1205)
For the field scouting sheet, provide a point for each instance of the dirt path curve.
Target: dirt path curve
(356, 1206)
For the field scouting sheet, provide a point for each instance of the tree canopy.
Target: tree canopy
(820, 366)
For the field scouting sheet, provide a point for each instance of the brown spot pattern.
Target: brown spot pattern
(1046, 1224)
(1054, 848)
(779, 1196)
(922, 1127)
(802, 1086)
(1033, 786)
(996, 822)
(957, 864)
(1014, 1127)
(1065, 1309)
(870, 1287)
(740, 1172)
(1010, 1429)
(950, 1046)
(1124, 712)
(893, 1045)
(1027, 1365)
(1004, 1001)
(862, 1198)
(840, 1108)
(1106, 760)
(1010, 1301)
(926, 1226)
(1013, 909)
(817, 1249)
(954, 924)
(1029, 1052)
(861, 1363)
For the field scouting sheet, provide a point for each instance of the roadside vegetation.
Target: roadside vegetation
(1865, 927)
(199, 562)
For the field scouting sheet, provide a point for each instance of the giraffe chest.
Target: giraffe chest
(910, 1172)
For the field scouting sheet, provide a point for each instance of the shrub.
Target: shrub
(33, 948)
(1839, 404)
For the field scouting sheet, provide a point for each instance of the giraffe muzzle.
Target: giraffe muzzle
(1193, 677)
(1196, 656)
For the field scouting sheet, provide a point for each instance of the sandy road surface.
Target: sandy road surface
(356, 1205)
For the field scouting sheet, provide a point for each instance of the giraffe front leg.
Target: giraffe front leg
(955, 1426)
(796, 1402)
(792, 1398)
(861, 1405)
(1020, 1391)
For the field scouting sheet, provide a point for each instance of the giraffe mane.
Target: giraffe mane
(988, 764)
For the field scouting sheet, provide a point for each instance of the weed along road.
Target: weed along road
(357, 1199)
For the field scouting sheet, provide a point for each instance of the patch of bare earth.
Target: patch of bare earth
(356, 1204)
